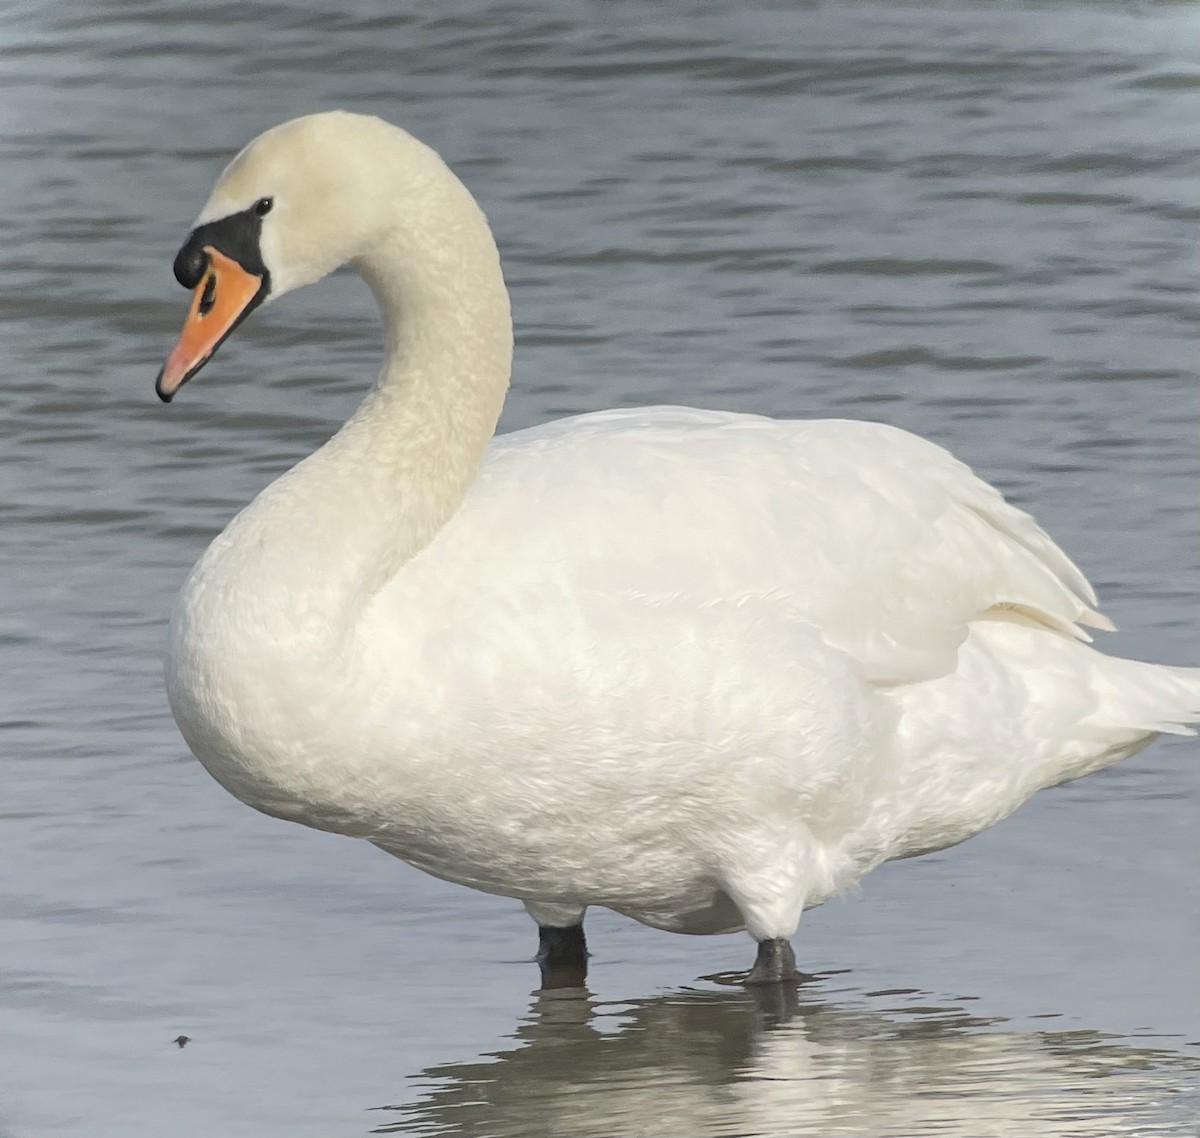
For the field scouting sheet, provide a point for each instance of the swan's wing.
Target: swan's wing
(880, 540)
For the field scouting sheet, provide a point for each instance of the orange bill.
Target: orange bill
(225, 294)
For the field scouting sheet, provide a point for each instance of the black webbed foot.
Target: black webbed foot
(562, 956)
(774, 964)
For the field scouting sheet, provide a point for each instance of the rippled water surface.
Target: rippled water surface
(973, 220)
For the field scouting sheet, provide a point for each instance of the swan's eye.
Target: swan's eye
(263, 206)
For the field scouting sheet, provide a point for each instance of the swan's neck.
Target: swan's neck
(353, 513)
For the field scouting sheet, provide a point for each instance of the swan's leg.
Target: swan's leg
(562, 950)
(770, 902)
(774, 964)
(561, 947)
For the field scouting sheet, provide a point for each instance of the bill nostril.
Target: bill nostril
(209, 296)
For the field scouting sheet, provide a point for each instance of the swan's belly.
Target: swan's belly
(650, 758)
(569, 830)
(664, 888)
(636, 864)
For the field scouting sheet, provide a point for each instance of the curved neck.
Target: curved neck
(377, 493)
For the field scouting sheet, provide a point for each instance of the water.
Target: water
(974, 221)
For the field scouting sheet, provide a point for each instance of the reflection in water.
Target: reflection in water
(708, 1063)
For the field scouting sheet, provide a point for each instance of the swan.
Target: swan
(705, 669)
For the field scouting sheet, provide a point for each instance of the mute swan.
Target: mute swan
(704, 669)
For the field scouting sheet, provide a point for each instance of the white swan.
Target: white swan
(704, 669)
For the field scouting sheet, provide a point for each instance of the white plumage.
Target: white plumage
(705, 669)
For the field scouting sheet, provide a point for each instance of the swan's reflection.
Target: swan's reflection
(708, 1063)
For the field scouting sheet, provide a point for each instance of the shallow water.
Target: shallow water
(976, 222)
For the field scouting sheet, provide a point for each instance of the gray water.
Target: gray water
(974, 220)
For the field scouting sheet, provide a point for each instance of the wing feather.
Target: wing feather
(880, 540)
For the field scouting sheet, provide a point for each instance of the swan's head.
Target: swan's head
(300, 201)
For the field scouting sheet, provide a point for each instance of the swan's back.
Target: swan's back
(883, 542)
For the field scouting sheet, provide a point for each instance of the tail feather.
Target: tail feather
(1024, 710)
(1149, 697)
